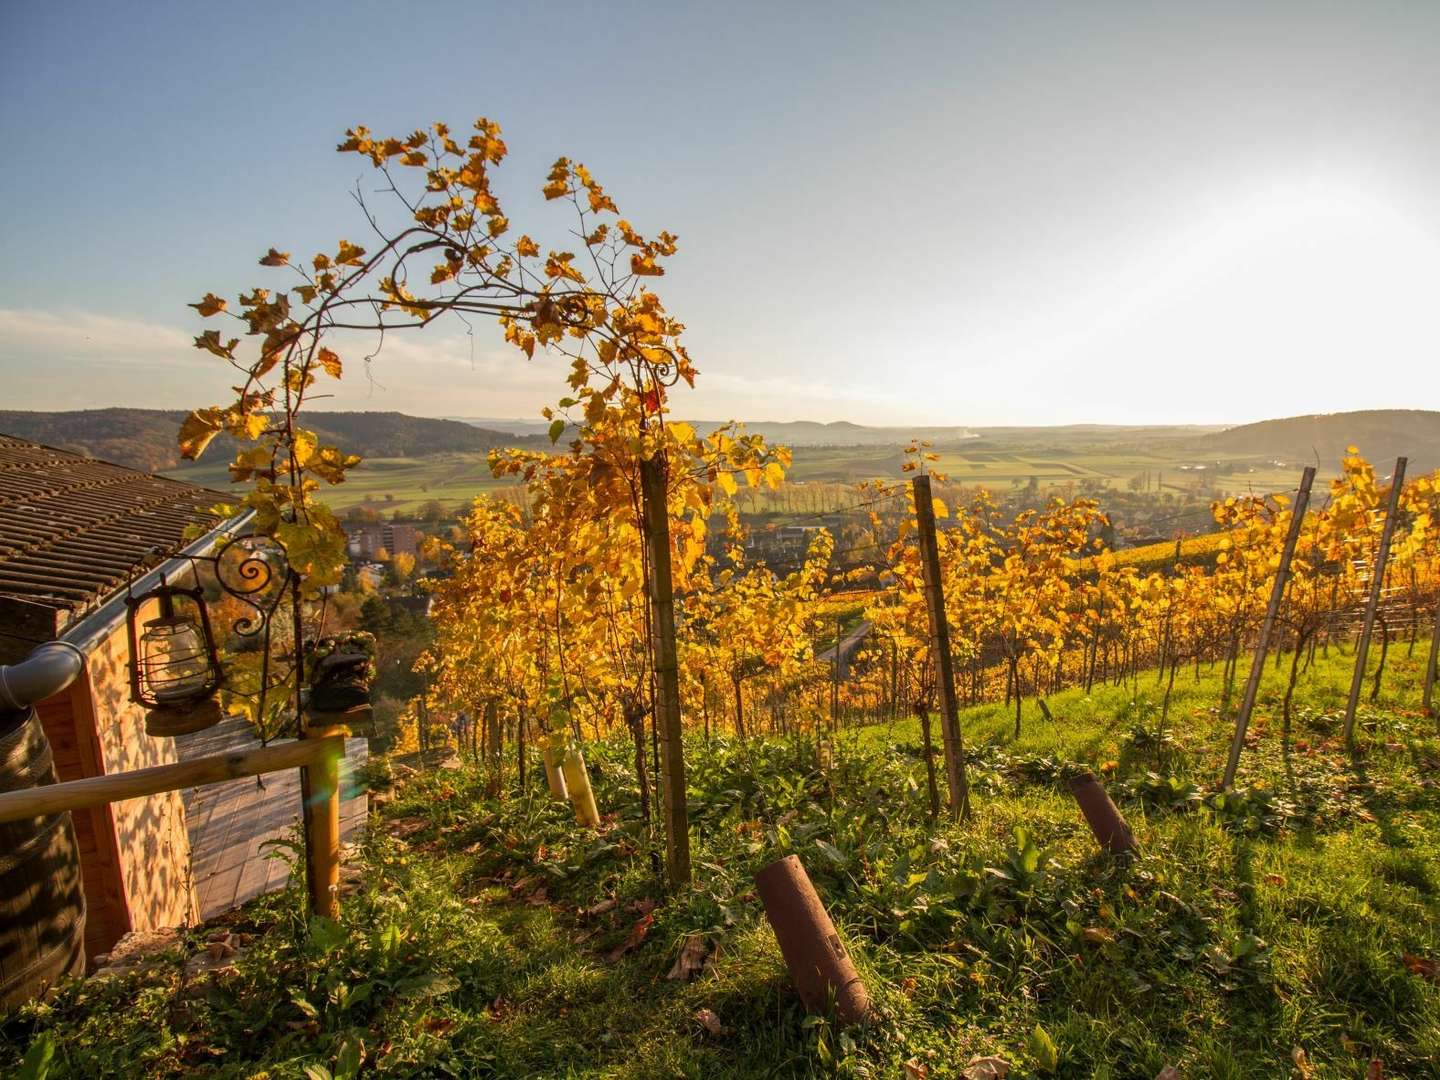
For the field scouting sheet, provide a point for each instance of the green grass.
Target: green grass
(389, 484)
(1274, 920)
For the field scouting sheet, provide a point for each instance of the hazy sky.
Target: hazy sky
(888, 213)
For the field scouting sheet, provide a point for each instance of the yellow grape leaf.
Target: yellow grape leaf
(199, 428)
(210, 342)
(526, 246)
(249, 426)
(303, 444)
(330, 363)
(727, 483)
(211, 305)
(275, 258)
(349, 254)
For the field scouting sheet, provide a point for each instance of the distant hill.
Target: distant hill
(145, 438)
(1381, 435)
(845, 433)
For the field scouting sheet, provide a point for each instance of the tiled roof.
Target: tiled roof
(74, 529)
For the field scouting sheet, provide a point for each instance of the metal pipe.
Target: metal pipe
(48, 669)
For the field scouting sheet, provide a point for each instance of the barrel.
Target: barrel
(42, 902)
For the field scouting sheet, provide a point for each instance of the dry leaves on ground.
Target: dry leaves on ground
(986, 1068)
(691, 959)
(636, 936)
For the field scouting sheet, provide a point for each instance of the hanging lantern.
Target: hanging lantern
(174, 667)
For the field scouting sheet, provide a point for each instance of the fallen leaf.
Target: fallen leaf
(637, 935)
(602, 907)
(1418, 965)
(1375, 1071)
(643, 907)
(1169, 1072)
(986, 1068)
(1302, 1062)
(709, 1021)
(1098, 935)
(691, 959)
(915, 1070)
(405, 827)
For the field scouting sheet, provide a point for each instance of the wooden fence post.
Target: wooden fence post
(667, 701)
(1431, 662)
(1277, 594)
(1377, 584)
(940, 645)
(320, 811)
(835, 681)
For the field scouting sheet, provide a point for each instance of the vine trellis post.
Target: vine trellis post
(1430, 663)
(1377, 586)
(940, 647)
(1277, 595)
(667, 672)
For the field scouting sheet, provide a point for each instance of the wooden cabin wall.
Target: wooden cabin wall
(150, 833)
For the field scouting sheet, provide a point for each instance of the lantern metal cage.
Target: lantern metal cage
(175, 667)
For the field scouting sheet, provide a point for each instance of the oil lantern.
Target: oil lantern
(174, 667)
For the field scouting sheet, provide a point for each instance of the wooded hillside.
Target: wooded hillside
(145, 438)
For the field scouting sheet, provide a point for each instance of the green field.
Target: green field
(1002, 467)
(389, 484)
(405, 483)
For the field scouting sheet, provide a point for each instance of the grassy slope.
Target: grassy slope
(1234, 940)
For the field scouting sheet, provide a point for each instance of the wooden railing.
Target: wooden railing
(317, 755)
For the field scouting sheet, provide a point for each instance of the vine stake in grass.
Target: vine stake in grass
(1434, 657)
(1377, 584)
(940, 645)
(818, 962)
(1105, 821)
(1277, 593)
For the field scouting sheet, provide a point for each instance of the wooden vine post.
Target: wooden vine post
(1377, 585)
(320, 799)
(1277, 594)
(835, 680)
(940, 647)
(667, 673)
(1431, 663)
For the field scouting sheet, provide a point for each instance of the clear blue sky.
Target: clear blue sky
(888, 213)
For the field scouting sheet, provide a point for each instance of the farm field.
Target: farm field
(407, 482)
(389, 484)
(1001, 467)
(1297, 921)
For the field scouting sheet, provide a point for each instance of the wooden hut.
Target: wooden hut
(73, 531)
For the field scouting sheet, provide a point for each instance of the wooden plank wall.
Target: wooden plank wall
(66, 718)
(150, 833)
